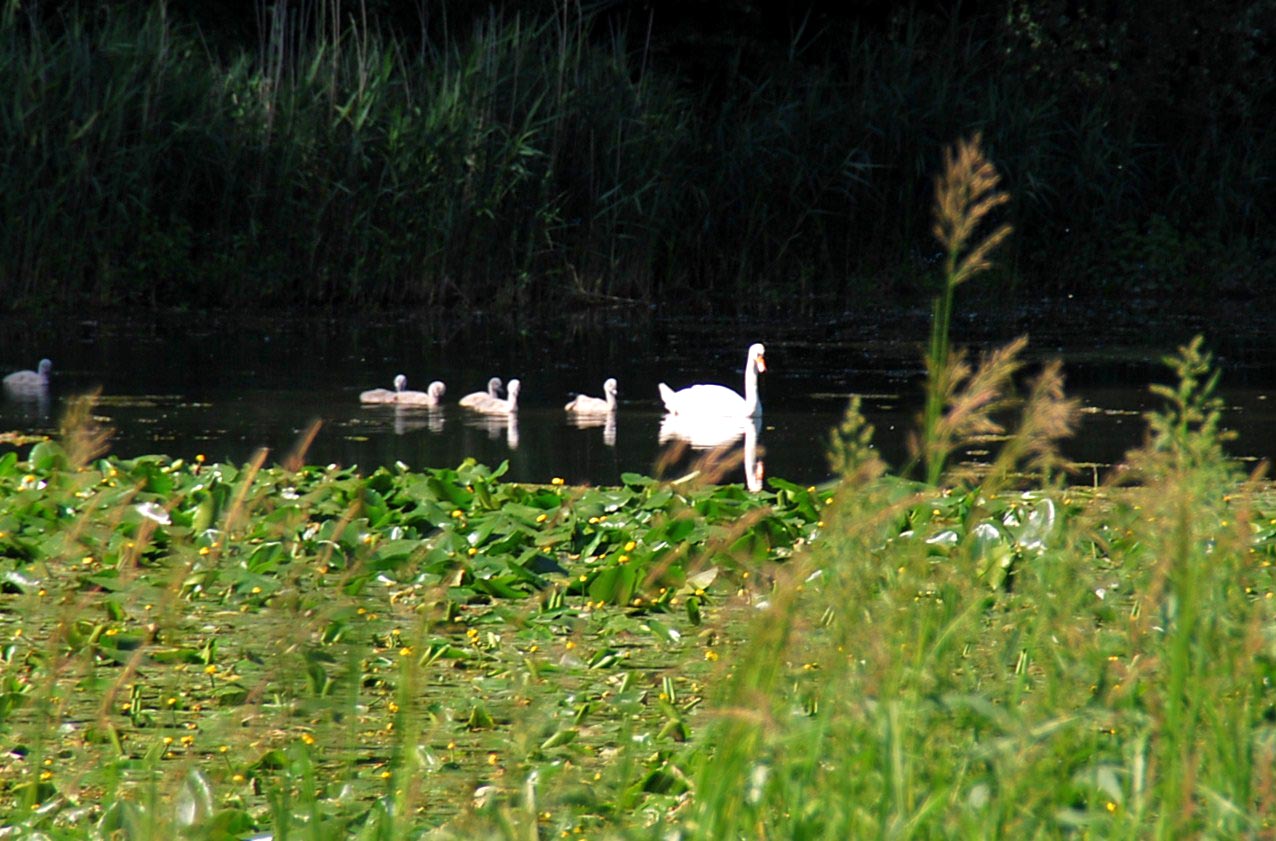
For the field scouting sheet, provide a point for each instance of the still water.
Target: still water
(184, 385)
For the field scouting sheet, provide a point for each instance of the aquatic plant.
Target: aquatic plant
(965, 193)
(902, 683)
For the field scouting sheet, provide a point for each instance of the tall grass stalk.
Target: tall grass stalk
(965, 193)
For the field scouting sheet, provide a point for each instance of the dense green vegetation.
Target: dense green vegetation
(217, 650)
(324, 154)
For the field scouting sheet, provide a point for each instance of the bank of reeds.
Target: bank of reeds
(530, 163)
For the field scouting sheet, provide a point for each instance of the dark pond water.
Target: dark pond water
(183, 384)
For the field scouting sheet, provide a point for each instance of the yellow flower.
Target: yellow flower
(542, 518)
(557, 480)
(210, 669)
(630, 546)
(711, 655)
(307, 738)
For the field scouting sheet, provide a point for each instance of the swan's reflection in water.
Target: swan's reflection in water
(495, 426)
(717, 437)
(33, 400)
(411, 418)
(606, 421)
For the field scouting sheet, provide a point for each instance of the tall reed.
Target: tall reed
(531, 162)
(965, 193)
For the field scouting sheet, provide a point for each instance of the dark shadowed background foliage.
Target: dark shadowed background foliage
(715, 156)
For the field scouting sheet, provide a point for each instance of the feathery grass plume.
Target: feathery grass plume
(83, 438)
(965, 193)
(1046, 418)
(969, 401)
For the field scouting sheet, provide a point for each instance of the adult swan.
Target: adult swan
(718, 400)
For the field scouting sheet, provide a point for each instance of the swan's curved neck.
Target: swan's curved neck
(751, 406)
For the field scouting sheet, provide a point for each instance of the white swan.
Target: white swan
(718, 400)
(586, 405)
(471, 400)
(30, 380)
(432, 396)
(489, 405)
(384, 395)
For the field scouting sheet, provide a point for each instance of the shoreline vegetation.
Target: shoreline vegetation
(327, 155)
(221, 651)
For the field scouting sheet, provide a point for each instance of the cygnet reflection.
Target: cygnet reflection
(33, 403)
(496, 425)
(718, 436)
(409, 418)
(606, 421)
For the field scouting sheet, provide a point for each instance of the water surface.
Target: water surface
(182, 385)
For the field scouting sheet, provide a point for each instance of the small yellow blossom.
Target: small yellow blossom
(557, 480)
(210, 669)
(307, 738)
(542, 518)
(711, 655)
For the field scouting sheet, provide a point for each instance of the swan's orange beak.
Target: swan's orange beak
(761, 363)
